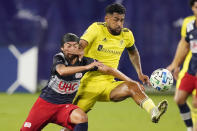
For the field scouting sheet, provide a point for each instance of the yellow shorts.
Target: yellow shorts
(91, 92)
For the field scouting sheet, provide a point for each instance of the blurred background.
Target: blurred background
(30, 33)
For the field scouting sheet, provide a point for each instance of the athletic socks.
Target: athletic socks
(148, 105)
(186, 115)
(81, 127)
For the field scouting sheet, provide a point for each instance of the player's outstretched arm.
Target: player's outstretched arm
(135, 60)
(181, 52)
(69, 70)
(114, 72)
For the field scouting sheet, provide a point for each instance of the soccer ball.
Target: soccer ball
(161, 79)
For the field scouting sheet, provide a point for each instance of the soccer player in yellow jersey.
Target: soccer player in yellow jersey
(186, 51)
(105, 41)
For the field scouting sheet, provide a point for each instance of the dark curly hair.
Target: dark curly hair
(191, 2)
(115, 8)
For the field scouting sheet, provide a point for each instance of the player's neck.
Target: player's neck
(112, 32)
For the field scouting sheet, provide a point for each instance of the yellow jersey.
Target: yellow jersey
(189, 55)
(105, 47)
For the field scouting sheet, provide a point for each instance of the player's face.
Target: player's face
(69, 49)
(194, 8)
(115, 23)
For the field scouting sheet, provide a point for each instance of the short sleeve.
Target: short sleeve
(130, 39)
(57, 59)
(183, 28)
(91, 33)
(184, 25)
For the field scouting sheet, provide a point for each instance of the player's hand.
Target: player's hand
(144, 79)
(170, 67)
(174, 70)
(93, 64)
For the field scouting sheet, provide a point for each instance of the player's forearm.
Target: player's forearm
(135, 60)
(181, 52)
(64, 71)
(119, 75)
(114, 72)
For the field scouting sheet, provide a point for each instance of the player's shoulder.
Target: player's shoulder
(188, 21)
(99, 24)
(127, 32)
(59, 54)
(189, 18)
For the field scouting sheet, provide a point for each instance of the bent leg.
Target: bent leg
(135, 91)
(128, 89)
(39, 116)
(80, 118)
(71, 117)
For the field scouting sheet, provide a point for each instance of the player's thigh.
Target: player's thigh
(109, 86)
(39, 116)
(62, 117)
(85, 101)
(187, 85)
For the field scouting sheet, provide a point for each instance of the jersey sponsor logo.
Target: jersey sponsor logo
(102, 49)
(68, 87)
(193, 46)
(27, 124)
(78, 75)
(62, 86)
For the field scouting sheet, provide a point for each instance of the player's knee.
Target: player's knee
(133, 88)
(179, 100)
(79, 116)
(82, 119)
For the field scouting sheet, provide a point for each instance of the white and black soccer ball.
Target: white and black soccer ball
(161, 79)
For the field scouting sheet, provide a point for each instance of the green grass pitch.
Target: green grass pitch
(105, 116)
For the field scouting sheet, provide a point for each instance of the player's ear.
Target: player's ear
(62, 48)
(106, 17)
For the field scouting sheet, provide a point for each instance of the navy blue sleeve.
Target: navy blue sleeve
(57, 59)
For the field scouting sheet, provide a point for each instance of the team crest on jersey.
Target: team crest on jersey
(78, 75)
(100, 47)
